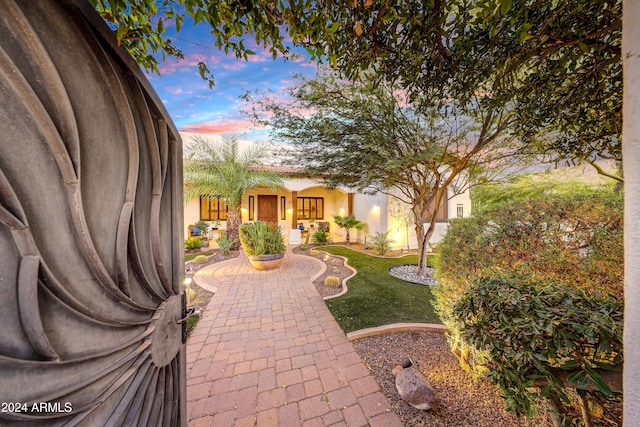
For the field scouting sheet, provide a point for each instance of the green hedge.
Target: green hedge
(542, 333)
(571, 242)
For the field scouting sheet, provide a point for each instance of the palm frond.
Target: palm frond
(222, 169)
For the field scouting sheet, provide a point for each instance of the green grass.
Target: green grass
(376, 298)
(189, 257)
(192, 321)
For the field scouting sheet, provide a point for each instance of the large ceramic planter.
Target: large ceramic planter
(266, 262)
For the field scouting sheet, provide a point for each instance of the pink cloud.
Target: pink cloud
(235, 65)
(258, 58)
(174, 90)
(190, 61)
(230, 126)
(170, 67)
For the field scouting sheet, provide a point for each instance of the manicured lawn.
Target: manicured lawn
(375, 297)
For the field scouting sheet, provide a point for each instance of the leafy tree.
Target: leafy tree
(369, 137)
(224, 170)
(557, 64)
(348, 222)
(523, 187)
(140, 26)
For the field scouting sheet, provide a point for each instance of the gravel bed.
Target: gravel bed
(409, 273)
(335, 267)
(460, 401)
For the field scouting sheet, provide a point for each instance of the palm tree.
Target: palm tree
(348, 222)
(223, 170)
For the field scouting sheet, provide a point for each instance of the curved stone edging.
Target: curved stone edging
(396, 327)
(319, 273)
(190, 262)
(344, 281)
(204, 270)
(373, 255)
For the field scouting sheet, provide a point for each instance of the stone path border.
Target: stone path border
(396, 327)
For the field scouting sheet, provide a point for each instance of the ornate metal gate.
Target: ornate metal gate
(90, 228)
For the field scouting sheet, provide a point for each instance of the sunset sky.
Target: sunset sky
(196, 108)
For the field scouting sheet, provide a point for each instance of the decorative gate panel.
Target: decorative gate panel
(90, 228)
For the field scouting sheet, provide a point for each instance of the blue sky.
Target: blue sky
(197, 109)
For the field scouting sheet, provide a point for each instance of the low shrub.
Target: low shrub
(314, 252)
(193, 243)
(543, 334)
(201, 259)
(225, 244)
(381, 243)
(570, 241)
(332, 282)
(321, 236)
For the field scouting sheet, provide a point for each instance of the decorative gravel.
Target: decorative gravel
(460, 400)
(335, 267)
(409, 273)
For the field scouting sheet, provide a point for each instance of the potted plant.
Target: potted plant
(263, 244)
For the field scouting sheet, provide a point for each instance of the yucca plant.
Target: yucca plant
(381, 242)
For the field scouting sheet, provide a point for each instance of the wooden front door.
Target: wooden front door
(268, 208)
(91, 245)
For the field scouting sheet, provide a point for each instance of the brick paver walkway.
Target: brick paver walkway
(268, 352)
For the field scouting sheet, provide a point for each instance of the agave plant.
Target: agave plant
(259, 238)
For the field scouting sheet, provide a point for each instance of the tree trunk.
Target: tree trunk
(422, 246)
(234, 219)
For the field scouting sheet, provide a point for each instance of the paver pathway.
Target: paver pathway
(268, 352)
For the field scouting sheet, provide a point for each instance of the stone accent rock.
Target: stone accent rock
(413, 387)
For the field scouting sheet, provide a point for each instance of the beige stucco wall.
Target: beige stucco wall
(335, 203)
(373, 209)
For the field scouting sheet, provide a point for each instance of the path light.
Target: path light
(188, 292)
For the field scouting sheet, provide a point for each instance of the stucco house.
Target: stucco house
(304, 203)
